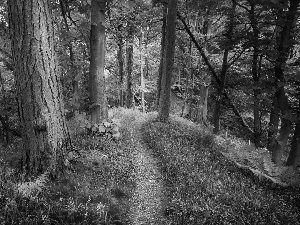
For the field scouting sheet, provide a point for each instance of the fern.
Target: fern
(32, 189)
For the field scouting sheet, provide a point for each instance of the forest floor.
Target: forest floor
(174, 173)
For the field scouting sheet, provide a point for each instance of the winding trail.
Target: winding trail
(147, 199)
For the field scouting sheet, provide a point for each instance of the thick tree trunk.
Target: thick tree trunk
(162, 52)
(44, 131)
(219, 99)
(98, 100)
(129, 65)
(280, 100)
(164, 102)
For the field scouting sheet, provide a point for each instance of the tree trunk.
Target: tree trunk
(164, 102)
(142, 71)
(219, 99)
(255, 76)
(44, 131)
(162, 53)
(294, 156)
(280, 100)
(121, 70)
(129, 58)
(202, 105)
(98, 100)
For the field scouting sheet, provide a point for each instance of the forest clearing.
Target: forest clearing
(149, 112)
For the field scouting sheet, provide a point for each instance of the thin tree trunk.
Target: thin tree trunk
(219, 99)
(255, 76)
(44, 131)
(164, 102)
(214, 74)
(129, 65)
(73, 69)
(162, 52)
(142, 71)
(98, 100)
(121, 70)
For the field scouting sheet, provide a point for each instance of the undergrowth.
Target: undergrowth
(207, 188)
(95, 189)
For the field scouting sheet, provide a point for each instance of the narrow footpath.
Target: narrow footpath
(147, 199)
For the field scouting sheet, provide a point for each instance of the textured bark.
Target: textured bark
(129, 58)
(164, 102)
(44, 131)
(280, 101)
(98, 102)
(162, 52)
(219, 99)
(255, 76)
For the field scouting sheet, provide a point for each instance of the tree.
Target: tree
(168, 60)
(281, 107)
(129, 61)
(221, 87)
(97, 48)
(162, 52)
(41, 112)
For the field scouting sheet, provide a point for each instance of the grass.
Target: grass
(204, 187)
(201, 185)
(95, 191)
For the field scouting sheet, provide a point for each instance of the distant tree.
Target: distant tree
(129, 61)
(168, 61)
(223, 73)
(44, 132)
(99, 110)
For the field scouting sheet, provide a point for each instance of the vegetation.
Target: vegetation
(211, 129)
(200, 184)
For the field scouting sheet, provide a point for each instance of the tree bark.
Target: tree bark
(162, 52)
(44, 131)
(280, 100)
(164, 102)
(294, 156)
(255, 75)
(129, 58)
(98, 105)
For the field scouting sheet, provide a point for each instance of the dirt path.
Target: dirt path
(147, 199)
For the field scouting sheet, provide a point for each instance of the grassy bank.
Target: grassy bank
(204, 187)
